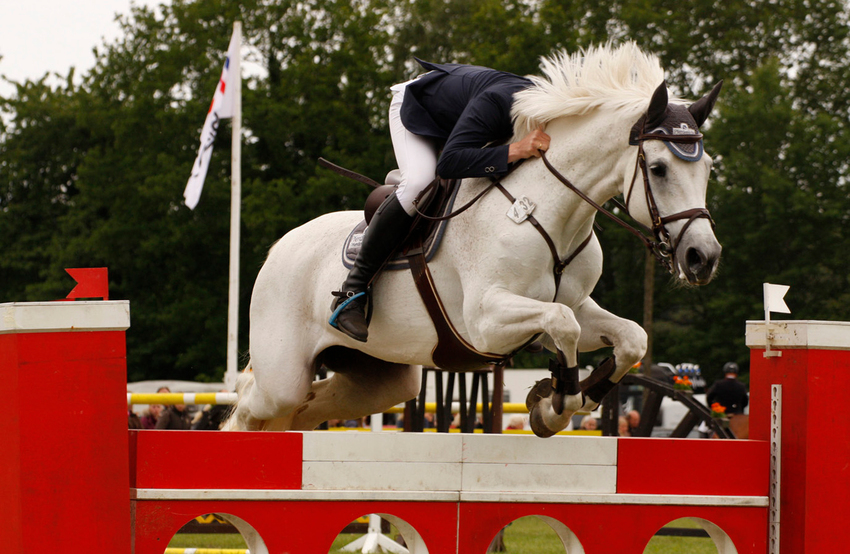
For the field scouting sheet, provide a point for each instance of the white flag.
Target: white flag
(774, 296)
(220, 108)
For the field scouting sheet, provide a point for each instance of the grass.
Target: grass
(681, 545)
(527, 535)
(207, 540)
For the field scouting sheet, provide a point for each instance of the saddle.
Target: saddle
(452, 352)
(437, 201)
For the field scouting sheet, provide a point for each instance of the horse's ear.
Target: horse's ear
(702, 107)
(657, 110)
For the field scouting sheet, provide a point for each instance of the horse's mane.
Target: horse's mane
(601, 77)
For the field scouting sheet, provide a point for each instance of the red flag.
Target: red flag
(92, 282)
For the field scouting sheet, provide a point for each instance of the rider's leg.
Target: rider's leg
(416, 155)
(388, 227)
(417, 161)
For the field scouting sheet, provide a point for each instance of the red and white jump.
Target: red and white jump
(67, 456)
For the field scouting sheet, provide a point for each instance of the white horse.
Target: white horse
(495, 276)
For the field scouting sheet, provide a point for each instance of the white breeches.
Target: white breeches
(416, 155)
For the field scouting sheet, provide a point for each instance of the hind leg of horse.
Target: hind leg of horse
(507, 316)
(600, 328)
(356, 393)
(259, 409)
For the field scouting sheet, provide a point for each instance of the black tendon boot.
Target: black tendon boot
(387, 229)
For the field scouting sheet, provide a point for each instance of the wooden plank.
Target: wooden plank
(293, 495)
(614, 499)
(528, 449)
(539, 478)
(405, 476)
(70, 317)
(382, 447)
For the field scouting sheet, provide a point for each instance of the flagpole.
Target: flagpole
(235, 217)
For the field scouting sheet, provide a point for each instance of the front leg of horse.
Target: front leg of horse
(601, 329)
(507, 317)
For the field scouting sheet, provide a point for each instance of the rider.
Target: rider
(459, 109)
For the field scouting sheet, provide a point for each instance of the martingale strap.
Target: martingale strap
(452, 352)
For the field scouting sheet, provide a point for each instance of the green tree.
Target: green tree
(92, 174)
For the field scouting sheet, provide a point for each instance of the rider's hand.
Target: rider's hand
(530, 146)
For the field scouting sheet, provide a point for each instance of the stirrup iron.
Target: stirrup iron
(350, 296)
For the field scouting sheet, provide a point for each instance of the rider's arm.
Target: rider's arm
(486, 120)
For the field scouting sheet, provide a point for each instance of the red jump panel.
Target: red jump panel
(692, 467)
(64, 443)
(234, 460)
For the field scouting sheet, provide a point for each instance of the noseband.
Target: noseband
(660, 246)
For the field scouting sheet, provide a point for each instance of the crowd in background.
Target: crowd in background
(728, 392)
(178, 417)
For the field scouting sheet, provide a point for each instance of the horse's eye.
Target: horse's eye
(659, 170)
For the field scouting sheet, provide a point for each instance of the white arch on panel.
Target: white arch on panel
(253, 539)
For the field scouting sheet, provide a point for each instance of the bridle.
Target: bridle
(656, 238)
(661, 246)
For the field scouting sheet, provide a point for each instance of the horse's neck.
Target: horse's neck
(588, 153)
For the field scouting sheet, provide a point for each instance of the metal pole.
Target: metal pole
(235, 219)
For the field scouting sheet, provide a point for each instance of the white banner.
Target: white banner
(220, 108)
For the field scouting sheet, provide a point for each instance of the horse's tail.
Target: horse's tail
(244, 382)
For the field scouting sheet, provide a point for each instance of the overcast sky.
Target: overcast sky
(40, 36)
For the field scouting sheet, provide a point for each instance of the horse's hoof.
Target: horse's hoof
(535, 420)
(541, 389)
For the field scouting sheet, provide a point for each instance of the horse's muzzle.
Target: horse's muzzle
(699, 262)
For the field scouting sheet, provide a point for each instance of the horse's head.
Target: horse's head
(667, 191)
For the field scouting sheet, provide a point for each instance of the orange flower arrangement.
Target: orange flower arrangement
(718, 411)
(682, 383)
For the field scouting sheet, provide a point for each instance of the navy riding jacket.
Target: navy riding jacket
(465, 107)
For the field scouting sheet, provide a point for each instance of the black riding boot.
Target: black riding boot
(387, 229)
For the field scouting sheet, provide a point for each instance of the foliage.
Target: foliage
(92, 168)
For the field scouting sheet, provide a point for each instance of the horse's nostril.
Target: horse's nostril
(695, 259)
(696, 262)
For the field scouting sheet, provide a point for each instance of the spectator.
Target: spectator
(634, 422)
(133, 421)
(623, 427)
(588, 423)
(211, 417)
(516, 423)
(174, 417)
(355, 423)
(729, 392)
(479, 422)
(151, 416)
